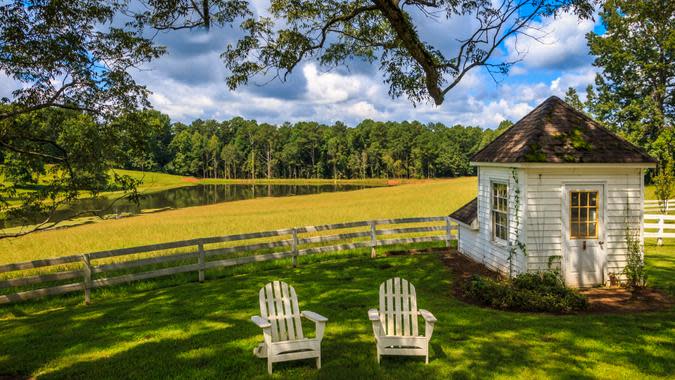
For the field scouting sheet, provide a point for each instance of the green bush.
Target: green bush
(526, 292)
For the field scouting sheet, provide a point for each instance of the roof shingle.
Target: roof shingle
(466, 214)
(555, 132)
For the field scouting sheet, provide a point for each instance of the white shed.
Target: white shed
(555, 191)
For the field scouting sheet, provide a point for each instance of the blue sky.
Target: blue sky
(189, 81)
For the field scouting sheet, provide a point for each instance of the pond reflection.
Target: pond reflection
(188, 196)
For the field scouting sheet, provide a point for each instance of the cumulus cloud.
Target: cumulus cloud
(560, 44)
(189, 82)
(579, 80)
(331, 87)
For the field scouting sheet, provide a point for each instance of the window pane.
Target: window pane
(575, 230)
(592, 214)
(583, 214)
(591, 229)
(582, 230)
(499, 204)
(594, 199)
(575, 199)
(583, 199)
(574, 213)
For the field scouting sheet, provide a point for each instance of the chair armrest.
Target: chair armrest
(373, 315)
(261, 322)
(314, 317)
(428, 317)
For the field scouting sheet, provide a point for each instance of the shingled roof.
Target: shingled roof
(556, 132)
(467, 214)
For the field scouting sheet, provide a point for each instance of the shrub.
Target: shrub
(636, 277)
(526, 292)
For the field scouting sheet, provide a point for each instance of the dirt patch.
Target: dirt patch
(463, 268)
(622, 300)
(190, 179)
(600, 300)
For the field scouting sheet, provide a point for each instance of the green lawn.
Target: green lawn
(174, 329)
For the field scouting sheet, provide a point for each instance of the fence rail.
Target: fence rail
(659, 206)
(91, 275)
(659, 226)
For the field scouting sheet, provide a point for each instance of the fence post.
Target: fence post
(294, 247)
(373, 240)
(448, 230)
(201, 261)
(86, 269)
(659, 240)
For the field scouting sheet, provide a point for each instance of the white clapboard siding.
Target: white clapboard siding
(395, 323)
(282, 328)
(479, 245)
(622, 209)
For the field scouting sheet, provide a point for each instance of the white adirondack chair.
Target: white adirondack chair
(395, 324)
(282, 330)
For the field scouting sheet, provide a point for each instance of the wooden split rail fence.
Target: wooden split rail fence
(199, 257)
(659, 226)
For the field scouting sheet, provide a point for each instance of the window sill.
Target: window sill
(499, 243)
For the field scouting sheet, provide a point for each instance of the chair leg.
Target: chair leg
(269, 366)
(318, 362)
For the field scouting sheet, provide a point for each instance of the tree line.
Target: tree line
(239, 148)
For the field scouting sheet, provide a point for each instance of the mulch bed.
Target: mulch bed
(600, 300)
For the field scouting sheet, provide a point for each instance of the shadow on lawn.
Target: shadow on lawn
(203, 331)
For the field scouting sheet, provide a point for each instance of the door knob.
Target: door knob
(584, 245)
(601, 243)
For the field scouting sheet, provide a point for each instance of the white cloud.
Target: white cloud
(560, 44)
(579, 80)
(331, 87)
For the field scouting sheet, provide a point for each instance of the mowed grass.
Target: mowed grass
(426, 198)
(202, 331)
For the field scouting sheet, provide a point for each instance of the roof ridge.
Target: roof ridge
(532, 138)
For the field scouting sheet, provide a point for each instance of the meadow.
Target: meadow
(423, 198)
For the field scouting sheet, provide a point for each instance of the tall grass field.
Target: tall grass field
(424, 198)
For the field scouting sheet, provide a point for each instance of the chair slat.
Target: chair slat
(281, 313)
(406, 307)
(382, 310)
(390, 307)
(287, 309)
(296, 314)
(272, 315)
(413, 310)
(397, 307)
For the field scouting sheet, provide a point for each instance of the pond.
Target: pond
(196, 195)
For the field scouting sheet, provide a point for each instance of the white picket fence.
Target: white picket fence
(659, 226)
(659, 206)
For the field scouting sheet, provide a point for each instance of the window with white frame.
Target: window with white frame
(500, 211)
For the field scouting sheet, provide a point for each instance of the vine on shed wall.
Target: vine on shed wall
(517, 244)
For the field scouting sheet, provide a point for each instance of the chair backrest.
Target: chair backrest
(398, 307)
(279, 304)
